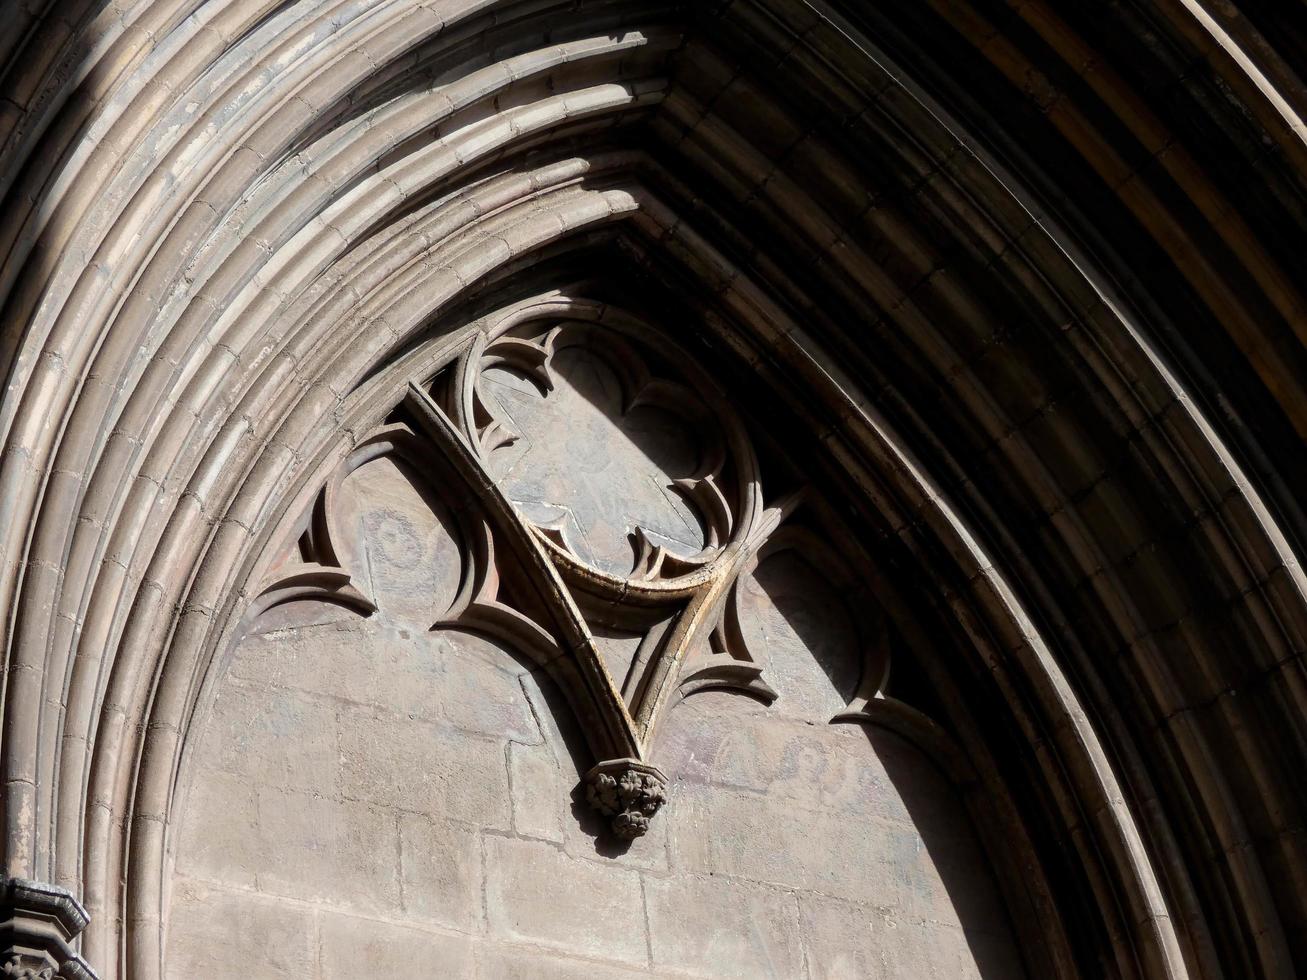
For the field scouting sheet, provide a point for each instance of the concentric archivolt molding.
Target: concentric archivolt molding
(235, 226)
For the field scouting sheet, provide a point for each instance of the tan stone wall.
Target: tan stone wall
(372, 794)
(373, 800)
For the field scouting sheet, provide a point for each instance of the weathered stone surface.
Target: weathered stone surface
(501, 963)
(310, 844)
(849, 941)
(223, 934)
(711, 926)
(823, 765)
(536, 893)
(348, 659)
(789, 607)
(433, 677)
(281, 739)
(854, 941)
(357, 947)
(404, 542)
(228, 847)
(536, 779)
(618, 650)
(476, 699)
(588, 467)
(793, 847)
(432, 769)
(440, 872)
(432, 805)
(451, 815)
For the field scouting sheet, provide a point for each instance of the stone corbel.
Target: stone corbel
(38, 924)
(628, 792)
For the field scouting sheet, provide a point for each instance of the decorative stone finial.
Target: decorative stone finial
(38, 923)
(629, 792)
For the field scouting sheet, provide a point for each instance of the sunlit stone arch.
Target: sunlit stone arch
(235, 226)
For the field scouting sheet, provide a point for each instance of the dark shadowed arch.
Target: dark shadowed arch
(1018, 282)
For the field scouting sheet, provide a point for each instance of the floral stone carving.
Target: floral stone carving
(38, 924)
(20, 970)
(627, 791)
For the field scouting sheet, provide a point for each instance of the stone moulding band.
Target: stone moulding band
(222, 216)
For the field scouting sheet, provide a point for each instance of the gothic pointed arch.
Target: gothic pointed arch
(927, 375)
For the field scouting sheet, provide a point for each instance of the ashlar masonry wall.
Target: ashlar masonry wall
(372, 798)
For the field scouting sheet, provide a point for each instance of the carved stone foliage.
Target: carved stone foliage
(27, 968)
(628, 792)
(573, 484)
(38, 925)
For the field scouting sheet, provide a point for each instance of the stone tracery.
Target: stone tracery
(923, 230)
(470, 408)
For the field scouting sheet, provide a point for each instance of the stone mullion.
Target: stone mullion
(622, 787)
(619, 737)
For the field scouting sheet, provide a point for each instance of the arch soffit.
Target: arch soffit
(279, 317)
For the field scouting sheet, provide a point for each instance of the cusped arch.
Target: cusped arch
(217, 267)
(410, 308)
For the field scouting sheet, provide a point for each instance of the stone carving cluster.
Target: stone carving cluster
(22, 968)
(628, 793)
(38, 924)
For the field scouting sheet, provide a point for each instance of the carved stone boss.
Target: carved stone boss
(628, 792)
(534, 417)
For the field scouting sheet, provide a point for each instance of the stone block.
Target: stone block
(463, 679)
(827, 766)
(336, 853)
(932, 951)
(714, 927)
(278, 738)
(507, 963)
(223, 843)
(745, 835)
(358, 947)
(424, 768)
(847, 941)
(345, 659)
(535, 893)
(221, 934)
(440, 872)
(477, 687)
(305, 617)
(540, 792)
